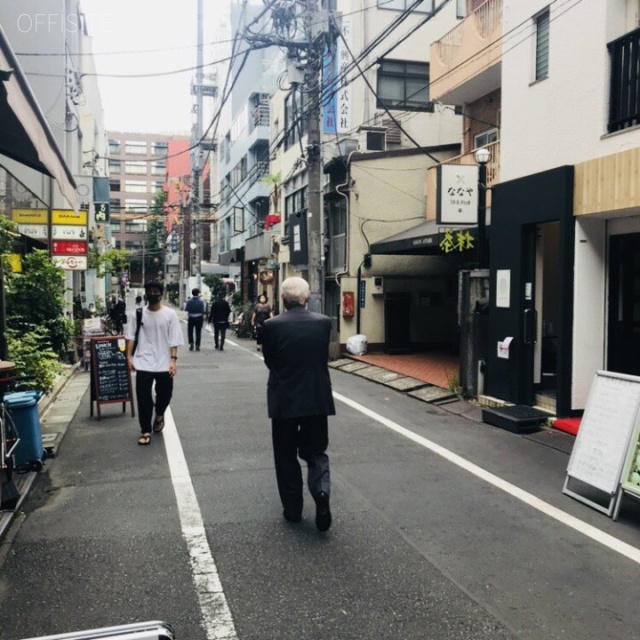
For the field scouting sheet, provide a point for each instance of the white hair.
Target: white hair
(295, 291)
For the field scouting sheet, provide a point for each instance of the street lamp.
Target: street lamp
(482, 157)
(193, 246)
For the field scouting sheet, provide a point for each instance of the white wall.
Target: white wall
(562, 119)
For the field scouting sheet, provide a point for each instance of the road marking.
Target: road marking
(605, 539)
(217, 620)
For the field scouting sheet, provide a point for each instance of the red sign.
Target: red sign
(69, 248)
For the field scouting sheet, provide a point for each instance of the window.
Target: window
(160, 148)
(135, 226)
(136, 186)
(114, 205)
(624, 98)
(426, 6)
(485, 138)
(114, 226)
(114, 166)
(135, 167)
(403, 85)
(114, 185)
(136, 205)
(294, 124)
(338, 235)
(114, 146)
(542, 46)
(158, 168)
(136, 148)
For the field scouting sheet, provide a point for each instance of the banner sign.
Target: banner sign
(102, 210)
(69, 216)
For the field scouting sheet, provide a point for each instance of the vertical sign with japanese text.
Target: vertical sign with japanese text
(457, 194)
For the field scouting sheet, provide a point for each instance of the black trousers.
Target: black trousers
(194, 325)
(164, 391)
(307, 438)
(219, 333)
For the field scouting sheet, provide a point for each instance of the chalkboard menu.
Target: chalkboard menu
(110, 375)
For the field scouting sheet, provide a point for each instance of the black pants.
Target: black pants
(308, 438)
(164, 391)
(194, 325)
(219, 333)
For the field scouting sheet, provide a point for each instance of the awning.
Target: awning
(25, 135)
(426, 239)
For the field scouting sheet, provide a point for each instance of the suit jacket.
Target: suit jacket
(295, 346)
(220, 311)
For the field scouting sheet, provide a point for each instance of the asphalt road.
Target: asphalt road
(444, 529)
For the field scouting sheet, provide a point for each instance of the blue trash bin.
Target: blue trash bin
(23, 407)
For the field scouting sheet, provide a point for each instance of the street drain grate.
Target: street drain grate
(554, 439)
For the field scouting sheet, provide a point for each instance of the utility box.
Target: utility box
(377, 286)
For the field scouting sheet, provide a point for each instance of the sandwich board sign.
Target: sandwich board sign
(599, 453)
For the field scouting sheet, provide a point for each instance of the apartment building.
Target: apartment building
(137, 172)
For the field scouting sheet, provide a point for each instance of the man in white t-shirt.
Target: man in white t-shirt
(156, 339)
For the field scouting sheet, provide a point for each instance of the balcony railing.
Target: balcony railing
(259, 117)
(467, 50)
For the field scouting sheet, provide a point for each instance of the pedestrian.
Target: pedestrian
(219, 319)
(261, 312)
(153, 337)
(138, 302)
(196, 309)
(299, 399)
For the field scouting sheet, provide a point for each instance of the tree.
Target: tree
(113, 261)
(154, 243)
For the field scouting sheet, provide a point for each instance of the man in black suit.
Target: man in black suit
(296, 351)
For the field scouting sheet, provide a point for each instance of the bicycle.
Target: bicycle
(9, 440)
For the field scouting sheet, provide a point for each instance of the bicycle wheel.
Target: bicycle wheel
(9, 432)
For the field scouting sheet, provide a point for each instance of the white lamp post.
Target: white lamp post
(482, 157)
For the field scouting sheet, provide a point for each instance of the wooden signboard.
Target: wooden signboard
(110, 375)
(602, 443)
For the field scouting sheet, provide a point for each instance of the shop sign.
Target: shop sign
(29, 216)
(34, 230)
(68, 232)
(457, 194)
(456, 240)
(69, 216)
(71, 263)
(68, 248)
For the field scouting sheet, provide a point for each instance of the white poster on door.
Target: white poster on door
(503, 288)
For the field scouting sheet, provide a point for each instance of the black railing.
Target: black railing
(624, 98)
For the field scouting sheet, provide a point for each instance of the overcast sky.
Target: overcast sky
(159, 37)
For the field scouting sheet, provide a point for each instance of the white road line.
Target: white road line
(216, 616)
(627, 550)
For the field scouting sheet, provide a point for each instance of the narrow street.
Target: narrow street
(443, 528)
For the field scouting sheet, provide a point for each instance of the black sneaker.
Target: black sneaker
(216, 346)
(190, 347)
(323, 513)
(197, 348)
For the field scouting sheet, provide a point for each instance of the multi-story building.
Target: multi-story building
(137, 172)
(564, 229)
(243, 157)
(381, 130)
(53, 52)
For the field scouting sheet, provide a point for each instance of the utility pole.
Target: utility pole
(196, 153)
(315, 213)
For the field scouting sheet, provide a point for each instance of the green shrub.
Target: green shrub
(37, 365)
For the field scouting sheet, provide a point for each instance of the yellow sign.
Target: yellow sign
(15, 262)
(68, 216)
(456, 241)
(29, 216)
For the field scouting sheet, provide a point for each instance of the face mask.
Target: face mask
(153, 298)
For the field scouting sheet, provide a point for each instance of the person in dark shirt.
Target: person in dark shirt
(219, 319)
(196, 308)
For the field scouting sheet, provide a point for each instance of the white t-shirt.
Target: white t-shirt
(159, 332)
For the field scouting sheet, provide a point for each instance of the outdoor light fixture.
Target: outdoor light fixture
(482, 157)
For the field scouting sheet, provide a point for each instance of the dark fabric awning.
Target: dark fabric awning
(25, 135)
(426, 239)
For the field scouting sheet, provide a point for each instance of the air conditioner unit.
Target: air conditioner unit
(372, 139)
(377, 286)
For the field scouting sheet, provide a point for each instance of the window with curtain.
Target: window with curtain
(542, 45)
